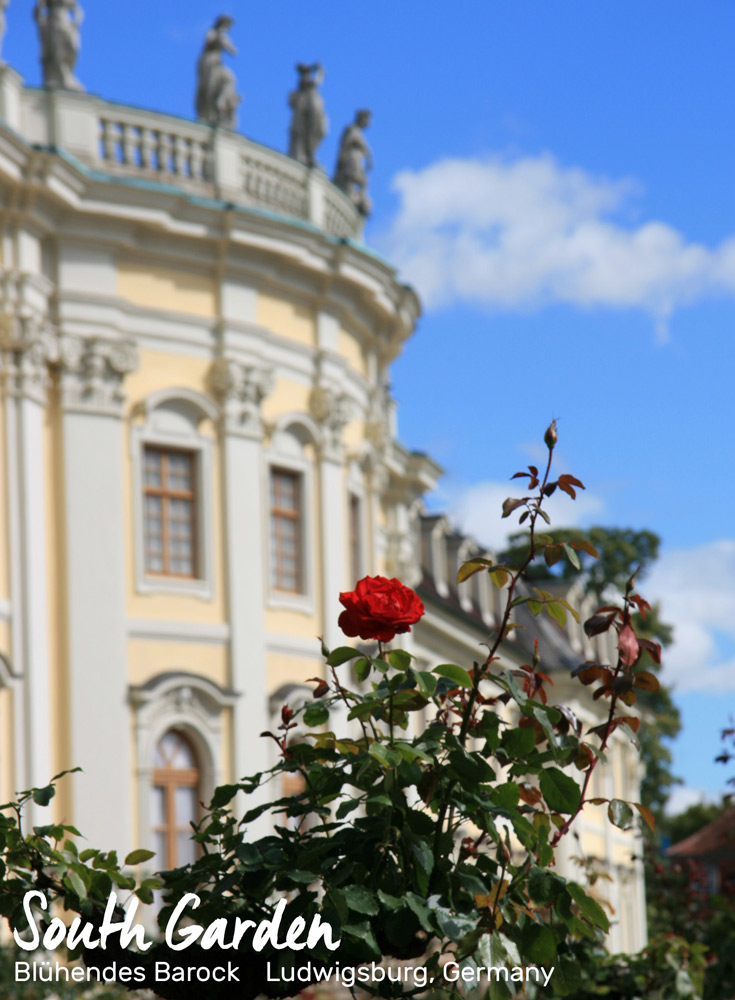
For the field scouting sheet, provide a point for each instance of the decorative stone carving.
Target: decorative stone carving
(58, 23)
(354, 159)
(217, 98)
(309, 122)
(377, 419)
(91, 374)
(26, 348)
(332, 412)
(240, 390)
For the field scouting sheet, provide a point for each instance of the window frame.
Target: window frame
(296, 515)
(162, 777)
(168, 494)
(281, 458)
(201, 448)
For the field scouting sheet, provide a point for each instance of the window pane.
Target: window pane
(169, 528)
(160, 847)
(185, 804)
(158, 806)
(186, 849)
(152, 468)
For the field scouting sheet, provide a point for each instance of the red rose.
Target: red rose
(378, 608)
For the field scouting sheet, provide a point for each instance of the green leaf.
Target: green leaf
(572, 556)
(518, 742)
(341, 655)
(468, 569)
(362, 669)
(387, 757)
(544, 886)
(399, 659)
(535, 607)
(139, 856)
(540, 945)
(222, 795)
(506, 795)
(561, 792)
(361, 900)
(620, 814)
(456, 674)
(77, 884)
(426, 683)
(555, 611)
(316, 715)
(588, 907)
(42, 796)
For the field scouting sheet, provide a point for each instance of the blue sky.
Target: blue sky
(557, 181)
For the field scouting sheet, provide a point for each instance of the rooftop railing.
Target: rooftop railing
(123, 141)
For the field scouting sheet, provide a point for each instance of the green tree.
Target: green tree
(622, 552)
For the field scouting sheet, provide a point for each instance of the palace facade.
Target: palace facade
(198, 452)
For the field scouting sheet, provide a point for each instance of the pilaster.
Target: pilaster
(240, 389)
(25, 346)
(91, 373)
(331, 410)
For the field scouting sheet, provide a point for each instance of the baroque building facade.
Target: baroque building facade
(198, 452)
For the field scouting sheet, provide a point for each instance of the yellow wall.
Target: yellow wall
(147, 657)
(286, 318)
(349, 346)
(285, 669)
(7, 783)
(287, 397)
(165, 288)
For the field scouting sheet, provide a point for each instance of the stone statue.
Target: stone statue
(3, 22)
(353, 159)
(58, 26)
(217, 98)
(309, 121)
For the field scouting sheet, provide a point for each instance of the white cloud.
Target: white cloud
(683, 796)
(477, 511)
(696, 588)
(517, 233)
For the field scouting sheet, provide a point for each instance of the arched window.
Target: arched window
(174, 800)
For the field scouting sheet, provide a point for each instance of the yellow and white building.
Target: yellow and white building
(197, 454)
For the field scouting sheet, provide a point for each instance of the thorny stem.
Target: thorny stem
(500, 634)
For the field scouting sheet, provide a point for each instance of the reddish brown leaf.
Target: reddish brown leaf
(646, 681)
(646, 815)
(531, 796)
(586, 547)
(652, 648)
(597, 624)
(631, 721)
(628, 646)
(510, 505)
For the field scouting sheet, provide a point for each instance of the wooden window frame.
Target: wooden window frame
(297, 515)
(171, 778)
(355, 537)
(166, 494)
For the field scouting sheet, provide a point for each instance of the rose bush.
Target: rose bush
(379, 608)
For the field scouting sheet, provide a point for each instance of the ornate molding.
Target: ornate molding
(240, 389)
(26, 348)
(377, 418)
(91, 374)
(332, 411)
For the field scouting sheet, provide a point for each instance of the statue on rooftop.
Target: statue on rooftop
(217, 98)
(309, 121)
(3, 22)
(354, 158)
(58, 26)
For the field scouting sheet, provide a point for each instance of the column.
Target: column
(240, 390)
(25, 350)
(91, 374)
(331, 410)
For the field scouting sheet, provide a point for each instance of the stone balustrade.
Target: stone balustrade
(124, 141)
